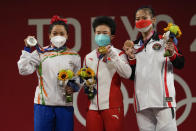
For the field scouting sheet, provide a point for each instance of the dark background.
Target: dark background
(17, 92)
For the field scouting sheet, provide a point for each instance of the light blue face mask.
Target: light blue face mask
(102, 39)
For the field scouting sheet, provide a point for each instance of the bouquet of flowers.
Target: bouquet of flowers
(65, 78)
(87, 77)
(172, 32)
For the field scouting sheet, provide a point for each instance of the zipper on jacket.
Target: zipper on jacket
(145, 44)
(97, 85)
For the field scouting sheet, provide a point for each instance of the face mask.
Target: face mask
(143, 25)
(58, 41)
(102, 39)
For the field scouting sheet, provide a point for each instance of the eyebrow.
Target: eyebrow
(102, 31)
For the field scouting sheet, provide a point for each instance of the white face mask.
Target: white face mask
(145, 29)
(58, 41)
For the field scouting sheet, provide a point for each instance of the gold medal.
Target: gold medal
(102, 50)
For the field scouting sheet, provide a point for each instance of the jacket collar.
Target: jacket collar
(155, 37)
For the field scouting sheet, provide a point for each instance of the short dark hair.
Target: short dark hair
(58, 23)
(105, 20)
(147, 8)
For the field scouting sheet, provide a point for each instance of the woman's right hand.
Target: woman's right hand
(68, 90)
(129, 49)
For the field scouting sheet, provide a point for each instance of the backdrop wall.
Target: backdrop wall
(31, 17)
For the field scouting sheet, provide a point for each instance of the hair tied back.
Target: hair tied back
(56, 18)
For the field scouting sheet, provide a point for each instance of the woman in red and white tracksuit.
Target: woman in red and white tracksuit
(106, 108)
(154, 95)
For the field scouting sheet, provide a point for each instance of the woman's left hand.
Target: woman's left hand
(108, 48)
(170, 47)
